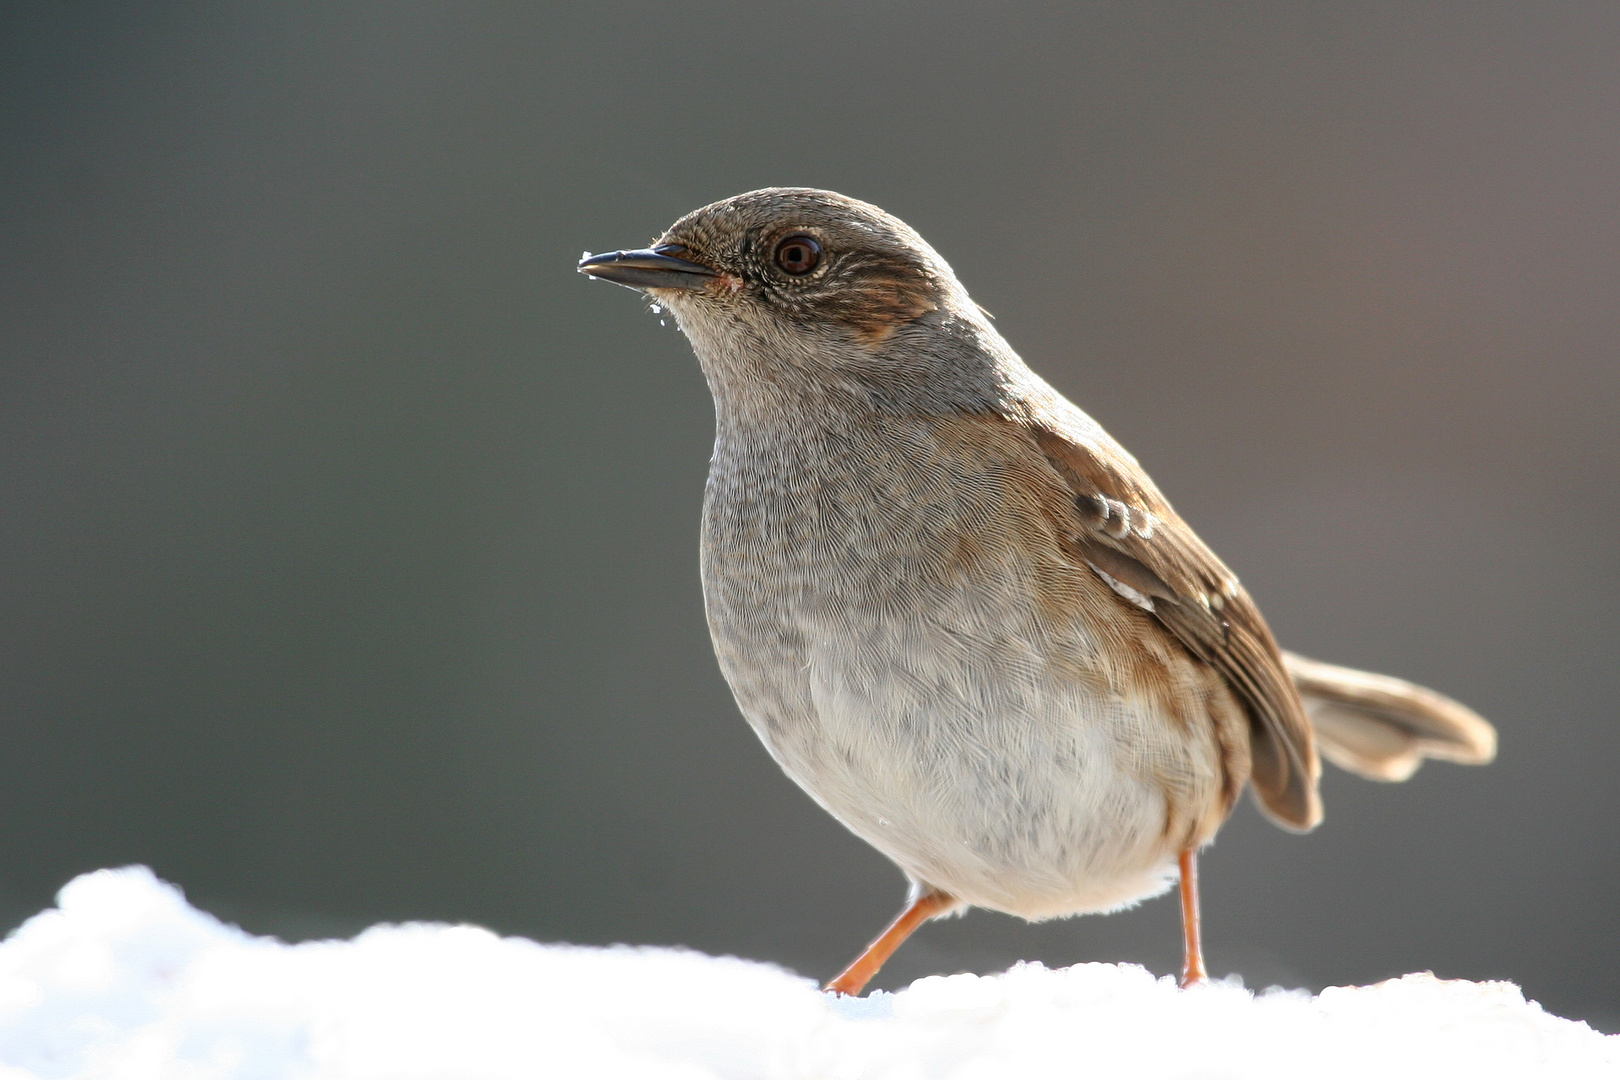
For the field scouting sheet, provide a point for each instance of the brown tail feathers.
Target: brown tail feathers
(1382, 728)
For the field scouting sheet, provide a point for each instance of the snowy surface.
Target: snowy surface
(124, 980)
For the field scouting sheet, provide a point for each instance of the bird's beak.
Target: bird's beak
(649, 268)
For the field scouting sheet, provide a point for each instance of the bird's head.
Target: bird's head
(795, 287)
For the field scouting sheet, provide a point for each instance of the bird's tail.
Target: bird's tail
(1382, 728)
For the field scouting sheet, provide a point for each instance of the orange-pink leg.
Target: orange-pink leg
(854, 978)
(1193, 970)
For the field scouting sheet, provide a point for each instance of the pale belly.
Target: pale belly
(987, 749)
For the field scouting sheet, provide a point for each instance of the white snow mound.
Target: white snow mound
(123, 980)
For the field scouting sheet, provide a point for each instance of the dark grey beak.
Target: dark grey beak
(649, 268)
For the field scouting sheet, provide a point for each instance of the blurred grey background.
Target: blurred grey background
(348, 538)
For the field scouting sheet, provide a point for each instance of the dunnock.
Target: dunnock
(956, 611)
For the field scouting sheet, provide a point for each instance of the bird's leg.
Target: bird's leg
(854, 978)
(1193, 970)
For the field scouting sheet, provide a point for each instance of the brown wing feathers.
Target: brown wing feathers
(1129, 533)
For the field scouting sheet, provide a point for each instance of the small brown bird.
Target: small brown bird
(956, 611)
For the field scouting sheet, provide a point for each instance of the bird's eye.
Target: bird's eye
(798, 255)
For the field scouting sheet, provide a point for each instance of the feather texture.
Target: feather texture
(1129, 533)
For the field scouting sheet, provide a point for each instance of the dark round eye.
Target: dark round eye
(798, 255)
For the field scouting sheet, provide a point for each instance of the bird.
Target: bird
(957, 612)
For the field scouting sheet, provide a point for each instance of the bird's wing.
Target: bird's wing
(1132, 538)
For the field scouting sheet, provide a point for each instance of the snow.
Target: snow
(123, 980)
